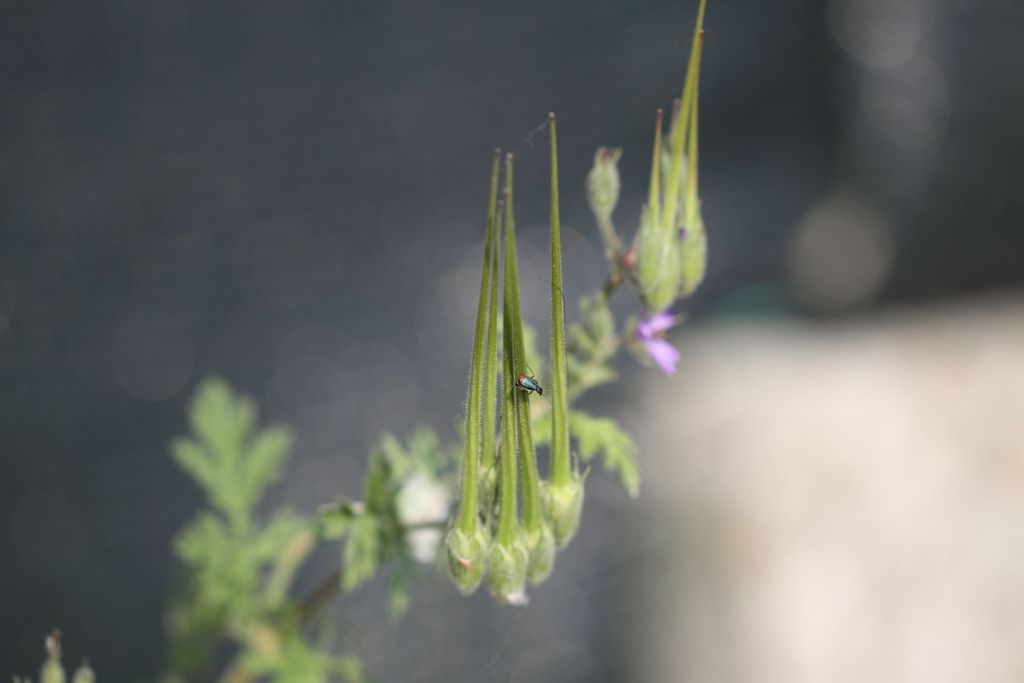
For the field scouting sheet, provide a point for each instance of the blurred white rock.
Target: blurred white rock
(846, 500)
(423, 501)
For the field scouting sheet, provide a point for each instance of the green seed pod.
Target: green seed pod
(52, 671)
(506, 577)
(467, 557)
(84, 674)
(562, 508)
(694, 252)
(488, 489)
(657, 264)
(603, 183)
(541, 544)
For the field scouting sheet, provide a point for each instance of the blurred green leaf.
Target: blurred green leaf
(269, 542)
(362, 552)
(262, 464)
(398, 594)
(334, 520)
(603, 436)
(599, 436)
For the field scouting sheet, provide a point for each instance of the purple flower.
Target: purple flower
(650, 332)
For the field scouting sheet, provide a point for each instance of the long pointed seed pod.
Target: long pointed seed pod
(489, 467)
(654, 194)
(466, 544)
(670, 220)
(659, 251)
(507, 561)
(694, 249)
(563, 497)
(539, 540)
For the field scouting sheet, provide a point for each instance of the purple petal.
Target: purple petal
(655, 324)
(664, 355)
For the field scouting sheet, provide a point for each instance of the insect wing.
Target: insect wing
(529, 384)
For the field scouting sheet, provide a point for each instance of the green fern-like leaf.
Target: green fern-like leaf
(362, 552)
(227, 548)
(603, 436)
(599, 436)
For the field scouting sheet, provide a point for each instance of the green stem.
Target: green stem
(301, 545)
(316, 600)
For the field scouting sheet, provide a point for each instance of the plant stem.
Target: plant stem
(284, 569)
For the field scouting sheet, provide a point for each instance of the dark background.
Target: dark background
(291, 195)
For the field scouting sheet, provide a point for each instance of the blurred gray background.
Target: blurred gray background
(291, 196)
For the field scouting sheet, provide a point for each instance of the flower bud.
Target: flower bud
(488, 489)
(541, 544)
(562, 508)
(506, 576)
(603, 183)
(694, 253)
(467, 557)
(84, 674)
(657, 264)
(52, 671)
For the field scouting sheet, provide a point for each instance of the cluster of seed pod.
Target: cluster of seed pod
(52, 670)
(493, 535)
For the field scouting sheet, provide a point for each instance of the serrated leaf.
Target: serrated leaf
(203, 538)
(398, 594)
(362, 552)
(270, 541)
(581, 339)
(191, 457)
(349, 668)
(221, 418)
(599, 436)
(398, 461)
(378, 490)
(334, 521)
(603, 436)
(593, 374)
(425, 451)
(262, 463)
(227, 458)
